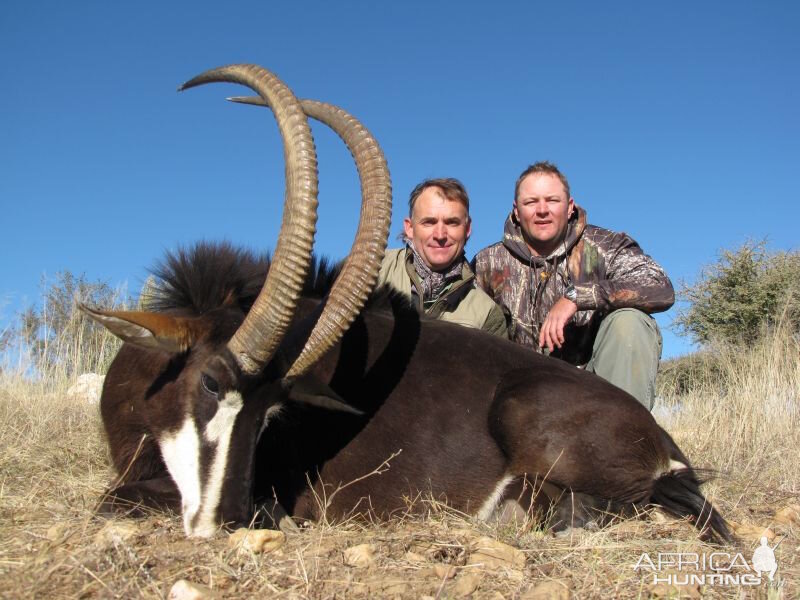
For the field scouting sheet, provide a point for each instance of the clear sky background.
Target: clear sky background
(676, 122)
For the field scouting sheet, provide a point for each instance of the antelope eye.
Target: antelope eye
(210, 384)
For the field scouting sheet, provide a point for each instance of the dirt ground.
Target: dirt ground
(54, 549)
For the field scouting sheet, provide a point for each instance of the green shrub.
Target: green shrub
(690, 373)
(744, 292)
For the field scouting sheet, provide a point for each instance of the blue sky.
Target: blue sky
(675, 122)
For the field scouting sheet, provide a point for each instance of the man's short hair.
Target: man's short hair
(452, 188)
(542, 167)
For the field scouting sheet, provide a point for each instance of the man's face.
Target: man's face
(542, 209)
(438, 228)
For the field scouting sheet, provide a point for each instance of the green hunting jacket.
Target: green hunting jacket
(461, 302)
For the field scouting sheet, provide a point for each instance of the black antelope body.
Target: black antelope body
(237, 389)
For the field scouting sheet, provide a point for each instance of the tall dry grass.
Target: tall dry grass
(741, 413)
(51, 444)
(738, 415)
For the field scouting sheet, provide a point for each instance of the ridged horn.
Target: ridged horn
(360, 271)
(257, 339)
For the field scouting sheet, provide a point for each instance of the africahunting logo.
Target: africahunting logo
(715, 568)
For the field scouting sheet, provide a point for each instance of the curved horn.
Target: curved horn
(360, 271)
(257, 339)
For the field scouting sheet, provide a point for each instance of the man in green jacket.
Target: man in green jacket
(575, 291)
(432, 270)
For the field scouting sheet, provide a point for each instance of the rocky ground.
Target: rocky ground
(53, 547)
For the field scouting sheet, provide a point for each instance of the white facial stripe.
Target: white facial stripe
(491, 502)
(222, 422)
(218, 432)
(181, 453)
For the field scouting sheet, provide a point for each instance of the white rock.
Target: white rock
(87, 389)
(186, 590)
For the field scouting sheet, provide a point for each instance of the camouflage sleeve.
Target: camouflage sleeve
(496, 323)
(633, 280)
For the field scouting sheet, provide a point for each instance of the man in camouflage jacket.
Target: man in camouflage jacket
(578, 292)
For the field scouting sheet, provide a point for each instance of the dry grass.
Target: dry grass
(53, 468)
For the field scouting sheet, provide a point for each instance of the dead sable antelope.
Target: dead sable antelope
(238, 389)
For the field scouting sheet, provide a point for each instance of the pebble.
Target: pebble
(362, 555)
(257, 541)
(492, 554)
(186, 590)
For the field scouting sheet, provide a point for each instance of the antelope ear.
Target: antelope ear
(310, 390)
(147, 330)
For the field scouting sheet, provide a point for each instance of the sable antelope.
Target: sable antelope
(225, 395)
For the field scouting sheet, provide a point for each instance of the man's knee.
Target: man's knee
(626, 352)
(629, 325)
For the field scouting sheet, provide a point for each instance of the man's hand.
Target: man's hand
(552, 332)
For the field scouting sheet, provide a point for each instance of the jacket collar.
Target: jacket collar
(465, 279)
